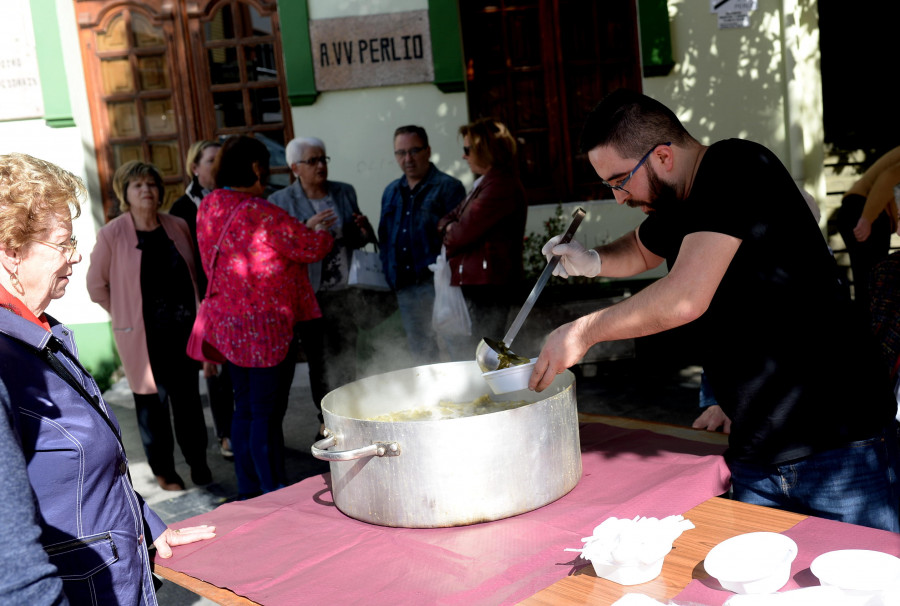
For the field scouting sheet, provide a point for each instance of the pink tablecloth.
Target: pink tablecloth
(814, 536)
(293, 546)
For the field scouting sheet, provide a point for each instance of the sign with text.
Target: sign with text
(371, 50)
(20, 85)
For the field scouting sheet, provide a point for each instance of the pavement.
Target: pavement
(657, 384)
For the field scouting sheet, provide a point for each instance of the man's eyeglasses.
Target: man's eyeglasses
(621, 185)
(412, 151)
(72, 246)
(316, 160)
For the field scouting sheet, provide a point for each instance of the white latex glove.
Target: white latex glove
(575, 261)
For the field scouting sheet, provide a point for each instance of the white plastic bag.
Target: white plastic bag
(450, 315)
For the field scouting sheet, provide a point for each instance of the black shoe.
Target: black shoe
(201, 475)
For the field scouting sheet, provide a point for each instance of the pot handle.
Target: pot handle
(376, 449)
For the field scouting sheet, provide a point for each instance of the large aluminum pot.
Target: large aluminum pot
(451, 472)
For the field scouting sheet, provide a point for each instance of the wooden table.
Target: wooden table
(716, 520)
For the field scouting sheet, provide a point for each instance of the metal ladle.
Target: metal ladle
(495, 355)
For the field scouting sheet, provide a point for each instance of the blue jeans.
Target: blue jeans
(856, 484)
(416, 303)
(257, 438)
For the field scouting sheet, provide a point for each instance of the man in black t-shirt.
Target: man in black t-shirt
(791, 364)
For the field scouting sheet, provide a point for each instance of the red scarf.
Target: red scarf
(7, 301)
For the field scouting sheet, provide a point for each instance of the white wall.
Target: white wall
(761, 83)
(71, 148)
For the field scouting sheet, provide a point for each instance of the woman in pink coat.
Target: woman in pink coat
(258, 292)
(142, 272)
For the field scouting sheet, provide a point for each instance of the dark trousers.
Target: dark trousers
(257, 436)
(863, 255)
(339, 311)
(221, 401)
(311, 336)
(181, 394)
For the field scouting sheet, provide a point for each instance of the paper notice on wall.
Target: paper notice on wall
(20, 85)
(733, 20)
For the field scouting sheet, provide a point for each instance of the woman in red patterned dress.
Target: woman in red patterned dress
(259, 291)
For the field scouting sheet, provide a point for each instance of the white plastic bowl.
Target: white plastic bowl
(514, 378)
(755, 562)
(857, 570)
(628, 575)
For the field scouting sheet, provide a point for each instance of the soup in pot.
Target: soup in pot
(449, 410)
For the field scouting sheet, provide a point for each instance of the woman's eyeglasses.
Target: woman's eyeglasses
(316, 160)
(72, 246)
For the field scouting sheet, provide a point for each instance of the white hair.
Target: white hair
(294, 150)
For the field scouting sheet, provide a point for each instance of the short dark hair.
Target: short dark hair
(135, 169)
(631, 123)
(234, 162)
(490, 143)
(412, 129)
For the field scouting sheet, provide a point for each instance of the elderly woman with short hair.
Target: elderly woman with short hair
(330, 344)
(255, 255)
(143, 273)
(71, 525)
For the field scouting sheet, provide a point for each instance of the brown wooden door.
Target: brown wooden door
(162, 74)
(540, 66)
(236, 48)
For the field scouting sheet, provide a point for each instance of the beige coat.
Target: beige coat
(114, 281)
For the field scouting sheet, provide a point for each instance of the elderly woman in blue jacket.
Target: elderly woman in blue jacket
(329, 343)
(71, 525)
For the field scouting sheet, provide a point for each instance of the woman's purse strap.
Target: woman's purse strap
(216, 248)
(47, 354)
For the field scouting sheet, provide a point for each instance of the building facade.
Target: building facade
(90, 84)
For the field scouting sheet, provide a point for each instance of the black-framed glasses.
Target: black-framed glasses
(466, 150)
(412, 151)
(621, 186)
(72, 246)
(316, 160)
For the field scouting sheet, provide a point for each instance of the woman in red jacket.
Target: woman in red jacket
(484, 234)
(259, 290)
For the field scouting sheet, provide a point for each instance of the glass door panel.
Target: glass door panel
(115, 37)
(117, 77)
(145, 33)
(165, 157)
(127, 153)
(153, 72)
(123, 120)
(159, 117)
